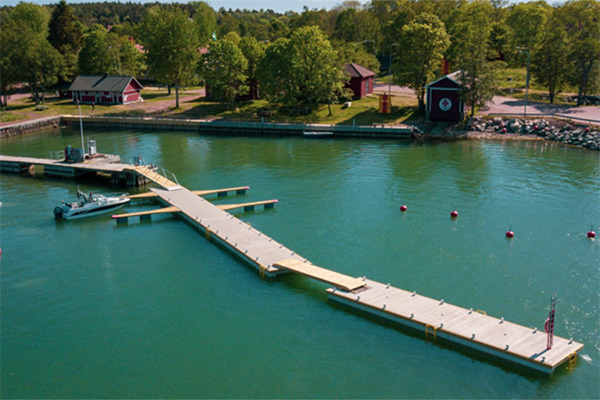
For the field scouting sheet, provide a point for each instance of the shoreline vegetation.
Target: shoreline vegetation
(364, 112)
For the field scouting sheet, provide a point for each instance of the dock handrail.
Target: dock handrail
(57, 155)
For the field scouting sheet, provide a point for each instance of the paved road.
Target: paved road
(508, 105)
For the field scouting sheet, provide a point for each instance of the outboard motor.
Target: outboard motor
(58, 212)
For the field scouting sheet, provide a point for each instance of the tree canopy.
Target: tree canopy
(171, 41)
(223, 68)
(423, 42)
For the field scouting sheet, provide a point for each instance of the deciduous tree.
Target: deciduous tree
(253, 51)
(205, 19)
(171, 41)
(223, 69)
(581, 20)
(423, 43)
(471, 52)
(302, 71)
(36, 62)
(550, 60)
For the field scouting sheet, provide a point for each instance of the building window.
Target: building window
(367, 85)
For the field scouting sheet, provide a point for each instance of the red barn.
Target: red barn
(105, 89)
(361, 80)
(443, 99)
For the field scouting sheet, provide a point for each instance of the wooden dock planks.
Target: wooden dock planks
(245, 241)
(92, 166)
(469, 328)
(324, 275)
(436, 318)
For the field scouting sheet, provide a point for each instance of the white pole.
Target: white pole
(81, 130)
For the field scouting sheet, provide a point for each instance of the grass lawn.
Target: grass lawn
(361, 112)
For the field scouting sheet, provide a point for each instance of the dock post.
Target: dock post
(146, 217)
(248, 208)
(241, 191)
(122, 220)
(222, 194)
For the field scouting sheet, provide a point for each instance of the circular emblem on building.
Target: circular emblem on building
(445, 104)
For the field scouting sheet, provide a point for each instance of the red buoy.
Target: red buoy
(535, 127)
(591, 234)
(403, 208)
(503, 130)
(510, 234)
(587, 129)
(454, 214)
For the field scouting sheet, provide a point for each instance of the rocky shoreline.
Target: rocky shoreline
(565, 132)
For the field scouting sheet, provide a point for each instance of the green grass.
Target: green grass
(361, 112)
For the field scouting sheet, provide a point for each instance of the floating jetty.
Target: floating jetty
(526, 347)
(120, 174)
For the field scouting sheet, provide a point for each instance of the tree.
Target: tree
(65, 35)
(205, 19)
(64, 30)
(302, 71)
(580, 18)
(350, 52)
(423, 42)
(223, 69)
(33, 16)
(346, 26)
(39, 65)
(95, 57)
(9, 73)
(525, 23)
(35, 61)
(550, 61)
(471, 51)
(171, 41)
(253, 51)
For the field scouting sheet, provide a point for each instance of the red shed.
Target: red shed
(443, 99)
(104, 89)
(361, 80)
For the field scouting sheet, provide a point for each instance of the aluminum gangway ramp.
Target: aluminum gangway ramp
(336, 279)
(155, 177)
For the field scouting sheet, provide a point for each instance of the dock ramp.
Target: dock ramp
(336, 279)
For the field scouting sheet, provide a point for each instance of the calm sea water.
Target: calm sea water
(90, 309)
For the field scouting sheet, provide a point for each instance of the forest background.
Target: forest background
(294, 60)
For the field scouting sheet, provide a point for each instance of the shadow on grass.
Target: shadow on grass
(373, 117)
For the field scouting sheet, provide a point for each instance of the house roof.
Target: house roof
(357, 71)
(454, 77)
(102, 83)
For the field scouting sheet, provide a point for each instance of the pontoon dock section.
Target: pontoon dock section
(484, 334)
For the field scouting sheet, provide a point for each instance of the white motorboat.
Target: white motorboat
(88, 205)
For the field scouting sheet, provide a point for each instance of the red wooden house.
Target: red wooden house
(105, 89)
(361, 80)
(443, 99)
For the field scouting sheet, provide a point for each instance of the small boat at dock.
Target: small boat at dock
(89, 205)
(317, 134)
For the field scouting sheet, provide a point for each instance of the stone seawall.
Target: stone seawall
(557, 130)
(245, 128)
(21, 128)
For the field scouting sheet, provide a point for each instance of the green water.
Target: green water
(94, 310)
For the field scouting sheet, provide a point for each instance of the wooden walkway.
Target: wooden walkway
(88, 166)
(468, 328)
(435, 318)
